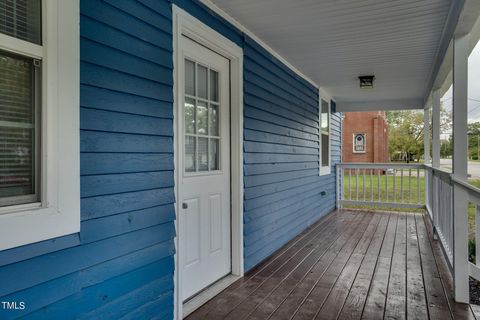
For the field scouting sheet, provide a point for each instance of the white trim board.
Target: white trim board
(58, 211)
(185, 24)
(262, 43)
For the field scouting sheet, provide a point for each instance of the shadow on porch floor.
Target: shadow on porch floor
(349, 265)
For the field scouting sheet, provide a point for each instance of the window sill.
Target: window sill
(325, 171)
(21, 208)
(36, 224)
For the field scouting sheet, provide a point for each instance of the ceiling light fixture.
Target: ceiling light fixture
(366, 82)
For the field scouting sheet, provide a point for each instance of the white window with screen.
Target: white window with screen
(39, 120)
(324, 139)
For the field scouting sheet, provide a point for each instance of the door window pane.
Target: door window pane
(213, 120)
(21, 19)
(190, 163)
(202, 82)
(202, 118)
(202, 154)
(17, 130)
(189, 115)
(189, 77)
(213, 85)
(214, 154)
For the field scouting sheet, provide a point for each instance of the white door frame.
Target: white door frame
(185, 24)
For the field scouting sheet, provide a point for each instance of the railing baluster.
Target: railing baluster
(418, 184)
(349, 184)
(409, 185)
(371, 185)
(364, 193)
(342, 189)
(356, 182)
(401, 183)
(394, 185)
(386, 185)
(378, 186)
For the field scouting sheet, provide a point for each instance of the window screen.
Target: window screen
(21, 19)
(18, 130)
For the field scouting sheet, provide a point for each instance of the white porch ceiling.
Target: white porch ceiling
(334, 41)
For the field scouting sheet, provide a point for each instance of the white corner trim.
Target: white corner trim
(243, 29)
(187, 25)
(58, 212)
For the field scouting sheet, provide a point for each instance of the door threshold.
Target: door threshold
(207, 294)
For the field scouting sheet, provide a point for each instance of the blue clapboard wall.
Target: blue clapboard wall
(122, 262)
(283, 189)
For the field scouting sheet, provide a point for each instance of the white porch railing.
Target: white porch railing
(474, 203)
(390, 185)
(386, 185)
(439, 205)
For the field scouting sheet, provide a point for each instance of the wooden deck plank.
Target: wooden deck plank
(269, 265)
(353, 307)
(396, 295)
(288, 308)
(436, 299)
(315, 299)
(416, 301)
(226, 301)
(339, 293)
(272, 300)
(377, 296)
(350, 265)
(459, 310)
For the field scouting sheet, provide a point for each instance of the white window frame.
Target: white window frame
(58, 211)
(323, 95)
(364, 142)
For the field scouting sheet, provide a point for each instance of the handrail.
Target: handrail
(354, 165)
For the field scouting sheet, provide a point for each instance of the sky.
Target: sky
(473, 88)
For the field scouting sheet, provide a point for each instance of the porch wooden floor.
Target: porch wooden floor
(349, 265)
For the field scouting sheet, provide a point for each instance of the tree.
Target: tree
(446, 147)
(473, 140)
(405, 134)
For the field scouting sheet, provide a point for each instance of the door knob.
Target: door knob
(184, 205)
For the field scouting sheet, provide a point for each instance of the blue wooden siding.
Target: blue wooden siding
(283, 189)
(121, 263)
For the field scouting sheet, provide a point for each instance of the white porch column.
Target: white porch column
(426, 135)
(436, 129)
(460, 149)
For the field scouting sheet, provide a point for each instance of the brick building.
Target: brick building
(365, 137)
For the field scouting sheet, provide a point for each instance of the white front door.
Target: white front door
(204, 167)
